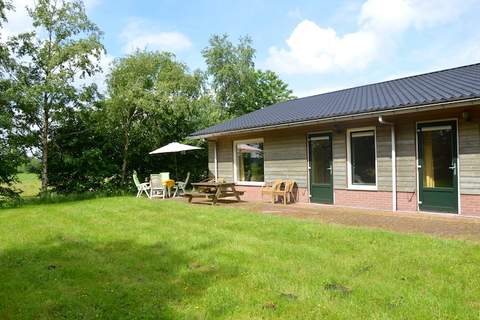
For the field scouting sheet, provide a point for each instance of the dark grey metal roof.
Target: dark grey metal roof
(440, 86)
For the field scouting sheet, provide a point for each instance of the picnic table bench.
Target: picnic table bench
(213, 190)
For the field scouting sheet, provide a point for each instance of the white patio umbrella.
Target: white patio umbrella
(174, 147)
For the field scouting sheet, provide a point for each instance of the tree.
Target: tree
(270, 89)
(83, 153)
(131, 86)
(154, 99)
(239, 88)
(64, 47)
(11, 154)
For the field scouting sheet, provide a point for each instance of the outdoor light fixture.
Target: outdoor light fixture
(466, 115)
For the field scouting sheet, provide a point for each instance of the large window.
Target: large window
(249, 161)
(362, 159)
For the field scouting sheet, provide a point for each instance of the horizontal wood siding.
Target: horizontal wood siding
(339, 160)
(384, 158)
(469, 149)
(286, 151)
(225, 159)
(211, 158)
(286, 157)
(406, 157)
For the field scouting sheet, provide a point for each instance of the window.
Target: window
(438, 157)
(248, 161)
(362, 159)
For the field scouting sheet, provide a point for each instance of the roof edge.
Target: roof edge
(402, 110)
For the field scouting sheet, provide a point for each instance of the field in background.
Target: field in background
(29, 183)
(128, 258)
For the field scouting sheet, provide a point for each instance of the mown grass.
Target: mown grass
(29, 183)
(127, 258)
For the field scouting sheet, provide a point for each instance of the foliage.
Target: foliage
(32, 165)
(90, 143)
(84, 156)
(64, 47)
(11, 153)
(128, 258)
(154, 100)
(240, 88)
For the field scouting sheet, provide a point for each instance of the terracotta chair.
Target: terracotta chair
(285, 190)
(269, 187)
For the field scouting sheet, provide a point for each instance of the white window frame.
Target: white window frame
(235, 165)
(355, 186)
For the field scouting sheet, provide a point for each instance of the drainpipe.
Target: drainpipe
(394, 161)
(215, 161)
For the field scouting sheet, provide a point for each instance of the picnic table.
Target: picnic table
(213, 190)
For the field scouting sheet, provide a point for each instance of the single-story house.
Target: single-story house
(407, 144)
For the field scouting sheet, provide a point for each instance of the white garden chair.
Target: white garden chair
(180, 186)
(141, 187)
(157, 188)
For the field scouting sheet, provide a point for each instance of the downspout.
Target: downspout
(394, 161)
(215, 161)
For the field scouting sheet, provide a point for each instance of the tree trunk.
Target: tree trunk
(125, 154)
(44, 138)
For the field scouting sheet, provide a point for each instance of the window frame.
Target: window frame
(235, 165)
(356, 186)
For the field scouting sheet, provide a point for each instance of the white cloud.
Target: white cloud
(315, 49)
(19, 21)
(139, 34)
(105, 62)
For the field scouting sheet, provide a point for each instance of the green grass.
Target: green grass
(127, 258)
(29, 183)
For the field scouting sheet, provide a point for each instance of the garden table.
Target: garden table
(169, 184)
(213, 190)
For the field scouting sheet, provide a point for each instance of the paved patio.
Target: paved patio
(442, 225)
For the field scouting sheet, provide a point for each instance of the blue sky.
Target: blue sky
(315, 46)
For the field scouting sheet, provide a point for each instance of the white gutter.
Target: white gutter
(419, 108)
(394, 162)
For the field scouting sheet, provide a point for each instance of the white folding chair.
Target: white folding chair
(141, 187)
(157, 189)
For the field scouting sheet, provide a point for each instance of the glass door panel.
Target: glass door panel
(321, 160)
(438, 158)
(320, 167)
(437, 166)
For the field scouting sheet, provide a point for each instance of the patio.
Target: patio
(441, 225)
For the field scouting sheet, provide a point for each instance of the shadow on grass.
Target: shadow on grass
(72, 278)
(201, 201)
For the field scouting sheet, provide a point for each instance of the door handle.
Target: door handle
(454, 168)
(330, 169)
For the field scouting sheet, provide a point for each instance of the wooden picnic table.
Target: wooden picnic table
(213, 190)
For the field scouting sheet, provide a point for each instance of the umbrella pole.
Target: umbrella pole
(176, 170)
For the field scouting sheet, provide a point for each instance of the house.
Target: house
(407, 144)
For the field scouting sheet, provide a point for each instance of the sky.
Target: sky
(315, 46)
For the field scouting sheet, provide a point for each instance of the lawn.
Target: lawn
(127, 258)
(29, 183)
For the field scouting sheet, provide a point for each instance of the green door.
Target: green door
(437, 166)
(320, 167)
